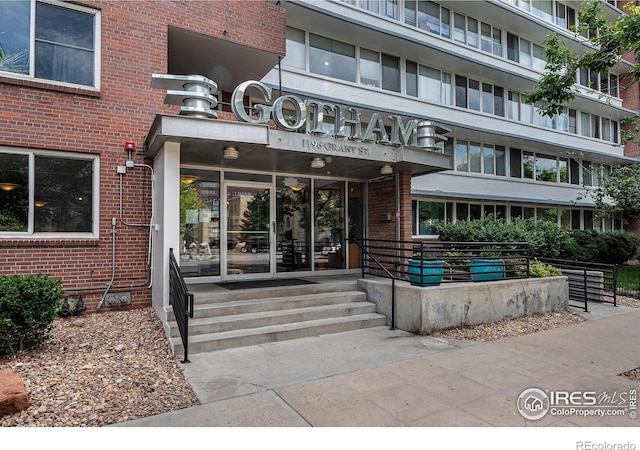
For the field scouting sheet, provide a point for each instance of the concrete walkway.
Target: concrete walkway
(379, 377)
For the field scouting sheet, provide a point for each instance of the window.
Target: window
(459, 26)
(475, 157)
(369, 67)
(497, 42)
(486, 39)
(390, 73)
(513, 106)
(472, 32)
(445, 23)
(295, 49)
(62, 200)
(411, 78)
(462, 158)
(527, 165)
(525, 52)
(430, 84)
(474, 95)
(543, 8)
(432, 16)
(62, 46)
(461, 91)
(410, 12)
(429, 214)
(546, 168)
(539, 58)
(332, 58)
(487, 98)
(513, 54)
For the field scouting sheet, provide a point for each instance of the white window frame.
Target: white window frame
(95, 213)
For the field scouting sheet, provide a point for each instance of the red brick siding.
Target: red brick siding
(43, 116)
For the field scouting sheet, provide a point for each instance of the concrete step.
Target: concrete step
(255, 305)
(208, 294)
(274, 333)
(223, 323)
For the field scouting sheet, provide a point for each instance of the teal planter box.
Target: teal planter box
(487, 269)
(431, 271)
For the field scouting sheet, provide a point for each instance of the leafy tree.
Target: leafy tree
(618, 195)
(609, 41)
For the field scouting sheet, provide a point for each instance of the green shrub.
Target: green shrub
(28, 306)
(546, 239)
(540, 269)
(609, 247)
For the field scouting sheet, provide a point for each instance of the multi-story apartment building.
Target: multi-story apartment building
(255, 138)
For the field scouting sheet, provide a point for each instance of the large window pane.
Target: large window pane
(293, 231)
(486, 40)
(462, 159)
(14, 45)
(487, 98)
(474, 95)
(391, 73)
(64, 45)
(410, 12)
(539, 59)
(411, 74)
(546, 168)
(513, 52)
(472, 32)
(200, 223)
(475, 157)
(433, 17)
(525, 52)
(459, 26)
(369, 67)
(65, 187)
(14, 193)
(513, 106)
(501, 163)
(429, 214)
(430, 87)
(332, 58)
(498, 101)
(445, 23)
(489, 159)
(329, 224)
(527, 165)
(461, 91)
(497, 42)
(295, 49)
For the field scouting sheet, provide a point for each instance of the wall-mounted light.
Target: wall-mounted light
(317, 163)
(230, 153)
(386, 170)
(188, 179)
(8, 186)
(39, 203)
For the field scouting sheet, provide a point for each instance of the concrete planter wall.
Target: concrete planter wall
(425, 310)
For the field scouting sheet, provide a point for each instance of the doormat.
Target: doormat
(260, 284)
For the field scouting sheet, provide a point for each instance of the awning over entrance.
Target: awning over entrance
(260, 148)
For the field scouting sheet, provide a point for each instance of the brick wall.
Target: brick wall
(44, 116)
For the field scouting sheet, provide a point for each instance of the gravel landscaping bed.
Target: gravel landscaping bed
(100, 369)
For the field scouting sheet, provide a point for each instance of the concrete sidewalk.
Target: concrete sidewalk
(379, 377)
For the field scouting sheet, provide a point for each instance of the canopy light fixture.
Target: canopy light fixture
(317, 163)
(188, 179)
(39, 203)
(386, 170)
(8, 186)
(230, 153)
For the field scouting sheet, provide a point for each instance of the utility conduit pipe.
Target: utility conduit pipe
(113, 263)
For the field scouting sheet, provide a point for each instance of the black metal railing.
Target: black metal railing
(588, 281)
(451, 261)
(182, 302)
(366, 255)
(628, 280)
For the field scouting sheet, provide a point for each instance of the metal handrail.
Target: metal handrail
(181, 301)
(386, 271)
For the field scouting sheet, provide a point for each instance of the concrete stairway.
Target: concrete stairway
(240, 318)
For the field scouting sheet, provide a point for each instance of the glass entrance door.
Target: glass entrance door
(249, 228)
